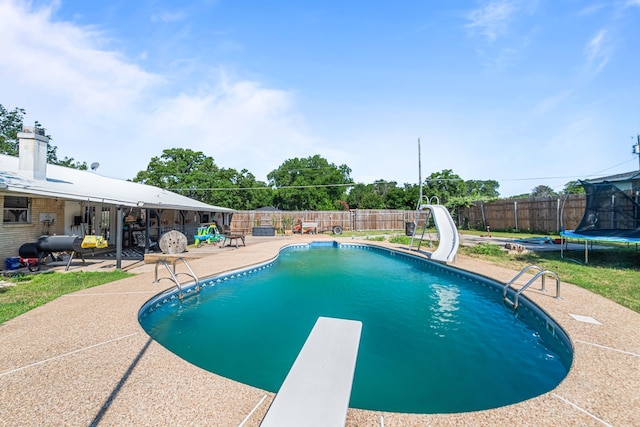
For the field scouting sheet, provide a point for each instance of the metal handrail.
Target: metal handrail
(174, 275)
(192, 275)
(542, 273)
(512, 281)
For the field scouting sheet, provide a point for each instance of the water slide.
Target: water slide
(447, 233)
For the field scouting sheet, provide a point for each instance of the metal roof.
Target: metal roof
(74, 184)
(628, 176)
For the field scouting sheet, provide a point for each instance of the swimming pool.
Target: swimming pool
(435, 339)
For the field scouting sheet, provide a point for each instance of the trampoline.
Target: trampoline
(612, 212)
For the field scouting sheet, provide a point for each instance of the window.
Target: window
(17, 210)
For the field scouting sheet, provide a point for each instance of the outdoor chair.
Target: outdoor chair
(140, 240)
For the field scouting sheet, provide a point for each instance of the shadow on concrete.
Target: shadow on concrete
(105, 406)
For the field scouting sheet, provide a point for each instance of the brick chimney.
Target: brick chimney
(33, 152)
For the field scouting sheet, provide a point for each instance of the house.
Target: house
(38, 199)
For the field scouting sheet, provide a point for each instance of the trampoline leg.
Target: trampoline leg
(586, 252)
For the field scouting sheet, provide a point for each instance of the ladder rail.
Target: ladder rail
(190, 274)
(512, 281)
(542, 273)
(429, 201)
(174, 275)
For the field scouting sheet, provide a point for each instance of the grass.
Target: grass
(31, 291)
(613, 273)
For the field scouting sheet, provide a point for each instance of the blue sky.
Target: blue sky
(536, 92)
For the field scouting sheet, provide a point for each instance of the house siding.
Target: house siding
(15, 235)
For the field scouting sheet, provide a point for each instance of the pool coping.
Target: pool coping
(83, 359)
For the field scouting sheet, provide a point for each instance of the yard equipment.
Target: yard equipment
(305, 227)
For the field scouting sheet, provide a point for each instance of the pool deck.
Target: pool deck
(83, 359)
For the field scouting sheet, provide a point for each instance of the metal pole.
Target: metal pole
(558, 216)
(586, 252)
(120, 228)
(636, 150)
(419, 175)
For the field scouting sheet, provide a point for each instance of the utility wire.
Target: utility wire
(543, 178)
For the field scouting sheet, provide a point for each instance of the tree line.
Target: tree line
(311, 183)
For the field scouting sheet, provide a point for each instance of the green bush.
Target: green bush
(486, 249)
(402, 240)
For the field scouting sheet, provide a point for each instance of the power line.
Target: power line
(540, 178)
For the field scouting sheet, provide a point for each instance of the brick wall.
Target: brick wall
(15, 235)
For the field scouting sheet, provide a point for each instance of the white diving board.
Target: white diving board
(317, 389)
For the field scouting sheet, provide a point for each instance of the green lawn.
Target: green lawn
(613, 273)
(33, 290)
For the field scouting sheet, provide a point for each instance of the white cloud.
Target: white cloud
(100, 106)
(167, 16)
(552, 102)
(493, 19)
(597, 52)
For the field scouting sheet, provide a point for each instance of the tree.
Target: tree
(240, 190)
(542, 191)
(12, 122)
(444, 185)
(310, 183)
(365, 196)
(573, 187)
(482, 190)
(195, 175)
(10, 125)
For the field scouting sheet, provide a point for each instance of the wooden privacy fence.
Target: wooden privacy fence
(353, 220)
(541, 215)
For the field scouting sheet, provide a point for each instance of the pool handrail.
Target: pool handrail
(541, 273)
(174, 275)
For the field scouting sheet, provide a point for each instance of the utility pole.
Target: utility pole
(420, 174)
(636, 150)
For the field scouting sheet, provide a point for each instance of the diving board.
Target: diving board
(317, 389)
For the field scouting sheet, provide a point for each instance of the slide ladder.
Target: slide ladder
(173, 275)
(447, 230)
(541, 273)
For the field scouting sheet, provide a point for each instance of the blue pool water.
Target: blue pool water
(434, 339)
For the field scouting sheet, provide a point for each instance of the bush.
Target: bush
(486, 249)
(402, 240)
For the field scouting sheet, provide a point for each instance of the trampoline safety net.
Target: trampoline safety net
(609, 212)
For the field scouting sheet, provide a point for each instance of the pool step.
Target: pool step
(317, 389)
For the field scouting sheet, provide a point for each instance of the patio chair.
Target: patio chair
(140, 240)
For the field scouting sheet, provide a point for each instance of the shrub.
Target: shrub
(486, 249)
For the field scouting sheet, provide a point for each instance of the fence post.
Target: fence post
(515, 208)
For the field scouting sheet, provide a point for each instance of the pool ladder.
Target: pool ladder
(541, 273)
(174, 275)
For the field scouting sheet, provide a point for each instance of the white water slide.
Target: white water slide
(447, 233)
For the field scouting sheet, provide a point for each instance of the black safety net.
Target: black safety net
(610, 212)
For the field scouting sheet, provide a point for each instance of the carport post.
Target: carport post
(119, 227)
